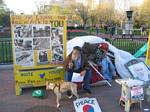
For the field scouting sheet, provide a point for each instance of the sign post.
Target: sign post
(148, 51)
(39, 49)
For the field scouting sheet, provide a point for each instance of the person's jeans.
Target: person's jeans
(108, 69)
(87, 78)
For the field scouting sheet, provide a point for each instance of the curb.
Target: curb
(6, 67)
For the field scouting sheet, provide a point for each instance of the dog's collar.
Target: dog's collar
(57, 86)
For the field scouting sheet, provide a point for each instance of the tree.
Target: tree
(50, 9)
(136, 16)
(57, 9)
(105, 13)
(93, 17)
(4, 14)
(84, 13)
(145, 12)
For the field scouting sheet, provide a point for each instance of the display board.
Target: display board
(138, 69)
(39, 47)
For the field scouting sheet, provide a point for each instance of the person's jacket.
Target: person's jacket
(93, 53)
(84, 63)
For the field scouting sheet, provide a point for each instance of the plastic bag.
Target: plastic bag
(39, 93)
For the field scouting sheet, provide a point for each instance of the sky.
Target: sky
(120, 3)
(28, 6)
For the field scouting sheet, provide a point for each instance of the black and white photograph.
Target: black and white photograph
(41, 43)
(41, 30)
(23, 44)
(25, 58)
(57, 53)
(22, 31)
(57, 31)
(56, 40)
(42, 57)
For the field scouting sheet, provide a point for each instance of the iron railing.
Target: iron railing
(128, 44)
(6, 56)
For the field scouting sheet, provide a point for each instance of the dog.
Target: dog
(61, 88)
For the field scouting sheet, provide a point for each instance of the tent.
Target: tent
(121, 57)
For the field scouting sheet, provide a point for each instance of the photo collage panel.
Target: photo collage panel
(57, 45)
(40, 37)
(28, 38)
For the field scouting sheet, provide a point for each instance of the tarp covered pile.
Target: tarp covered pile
(121, 57)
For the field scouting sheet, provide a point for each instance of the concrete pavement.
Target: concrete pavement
(108, 97)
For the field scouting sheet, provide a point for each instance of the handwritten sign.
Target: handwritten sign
(137, 93)
(140, 71)
(86, 105)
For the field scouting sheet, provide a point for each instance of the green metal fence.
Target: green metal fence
(128, 44)
(6, 56)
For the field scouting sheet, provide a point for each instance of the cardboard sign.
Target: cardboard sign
(137, 94)
(86, 105)
(140, 71)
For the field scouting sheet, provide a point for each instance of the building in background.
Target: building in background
(125, 5)
(111, 3)
(63, 3)
(59, 7)
(92, 4)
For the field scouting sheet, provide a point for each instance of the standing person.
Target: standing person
(109, 29)
(123, 33)
(116, 30)
(141, 30)
(97, 30)
(112, 30)
(144, 31)
(106, 29)
(77, 62)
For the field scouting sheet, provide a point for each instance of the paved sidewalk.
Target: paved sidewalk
(108, 97)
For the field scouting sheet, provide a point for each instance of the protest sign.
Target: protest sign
(140, 71)
(39, 46)
(87, 105)
(137, 94)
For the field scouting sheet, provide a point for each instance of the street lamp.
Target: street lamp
(129, 15)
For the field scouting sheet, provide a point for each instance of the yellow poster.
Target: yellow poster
(148, 52)
(39, 48)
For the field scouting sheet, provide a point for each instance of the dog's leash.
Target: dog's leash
(57, 86)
